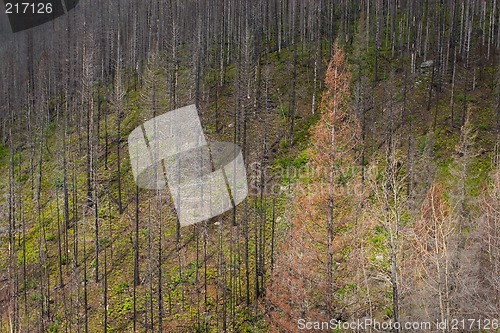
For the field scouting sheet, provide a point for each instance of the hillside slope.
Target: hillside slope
(82, 249)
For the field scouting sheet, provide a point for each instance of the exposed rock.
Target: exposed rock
(427, 64)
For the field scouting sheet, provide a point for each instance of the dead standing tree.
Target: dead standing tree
(312, 259)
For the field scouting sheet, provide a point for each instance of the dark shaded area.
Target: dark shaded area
(70, 4)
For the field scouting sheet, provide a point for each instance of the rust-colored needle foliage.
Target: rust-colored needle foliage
(307, 280)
